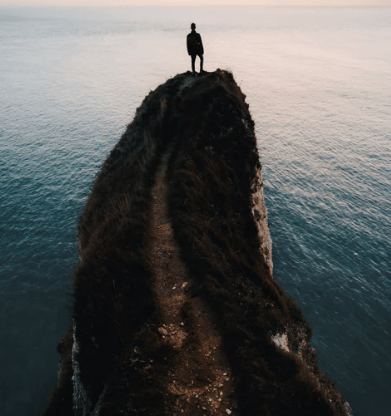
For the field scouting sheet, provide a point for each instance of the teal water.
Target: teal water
(318, 82)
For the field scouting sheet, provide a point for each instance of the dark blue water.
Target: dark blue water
(318, 82)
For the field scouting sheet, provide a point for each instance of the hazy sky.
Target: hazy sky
(195, 2)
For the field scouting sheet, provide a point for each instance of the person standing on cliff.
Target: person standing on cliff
(195, 48)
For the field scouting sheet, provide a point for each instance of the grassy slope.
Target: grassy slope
(113, 302)
(212, 171)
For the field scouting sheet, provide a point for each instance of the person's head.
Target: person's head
(193, 26)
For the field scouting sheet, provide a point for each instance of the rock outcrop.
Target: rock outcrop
(175, 309)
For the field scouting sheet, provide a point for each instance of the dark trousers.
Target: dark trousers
(193, 58)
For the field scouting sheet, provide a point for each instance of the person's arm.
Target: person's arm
(201, 47)
(188, 44)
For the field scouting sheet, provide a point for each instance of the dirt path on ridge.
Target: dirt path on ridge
(200, 382)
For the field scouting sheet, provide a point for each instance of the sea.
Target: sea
(318, 83)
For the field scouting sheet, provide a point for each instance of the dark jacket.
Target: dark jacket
(194, 44)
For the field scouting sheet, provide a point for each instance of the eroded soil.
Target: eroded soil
(201, 378)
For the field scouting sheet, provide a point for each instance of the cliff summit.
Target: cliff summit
(175, 309)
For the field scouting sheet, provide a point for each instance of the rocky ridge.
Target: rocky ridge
(175, 308)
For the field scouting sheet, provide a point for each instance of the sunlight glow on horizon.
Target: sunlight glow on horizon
(190, 3)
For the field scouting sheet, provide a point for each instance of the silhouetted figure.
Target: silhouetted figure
(194, 48)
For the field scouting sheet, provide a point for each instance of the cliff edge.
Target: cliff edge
(175, 309)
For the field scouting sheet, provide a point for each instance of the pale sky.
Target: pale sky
(358, 3)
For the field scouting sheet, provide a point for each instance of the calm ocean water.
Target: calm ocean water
(318, 82)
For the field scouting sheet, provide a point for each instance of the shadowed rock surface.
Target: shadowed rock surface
(175, 309)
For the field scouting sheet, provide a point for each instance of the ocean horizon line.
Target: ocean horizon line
(121, 6)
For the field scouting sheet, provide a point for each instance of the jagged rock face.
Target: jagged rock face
(259, 212)
(177, 312)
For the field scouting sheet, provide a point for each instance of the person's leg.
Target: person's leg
(202, 62)
(193, 58)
